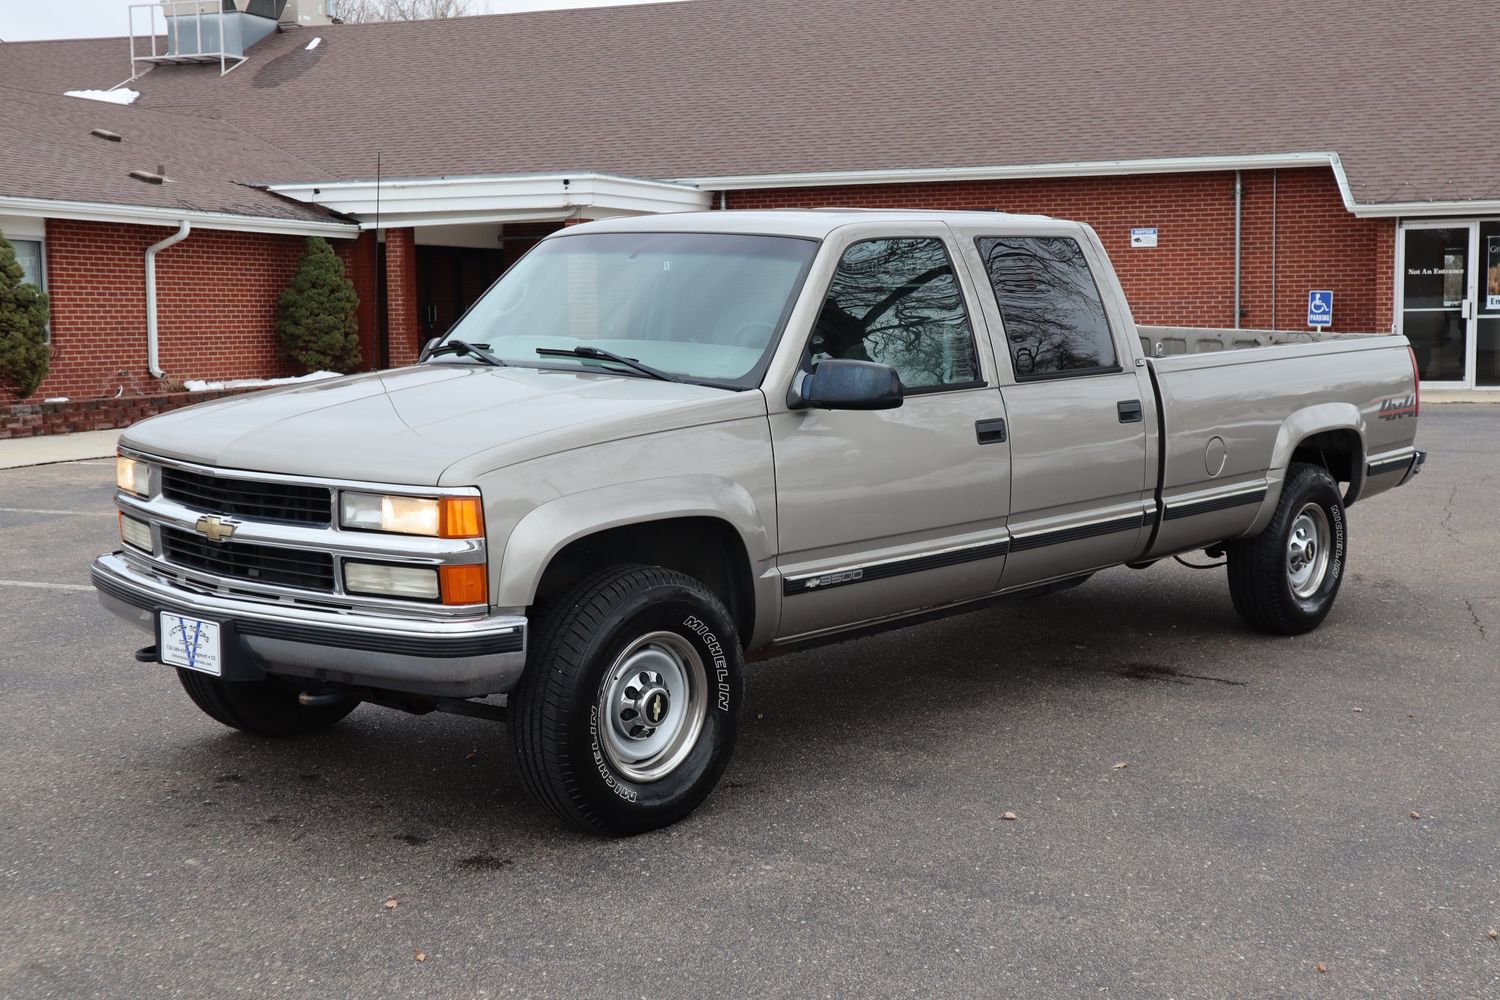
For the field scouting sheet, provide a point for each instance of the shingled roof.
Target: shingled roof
(713, 88)
(205, 162)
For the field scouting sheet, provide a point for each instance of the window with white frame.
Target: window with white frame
(33, 266)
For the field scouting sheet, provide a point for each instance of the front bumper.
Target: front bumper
(456, 659)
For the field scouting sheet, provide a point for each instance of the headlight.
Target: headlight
(391, 581)
(446, 517)
(132, 476)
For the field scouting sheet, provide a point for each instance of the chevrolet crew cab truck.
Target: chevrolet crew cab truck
(660, 447)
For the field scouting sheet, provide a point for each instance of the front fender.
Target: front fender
(548, 528)
(1295, 429)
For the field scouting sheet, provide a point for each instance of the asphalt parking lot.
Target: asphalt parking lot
(1303, 817)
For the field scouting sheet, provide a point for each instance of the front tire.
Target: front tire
(627, 712)
(262, 708)
(1285, 579)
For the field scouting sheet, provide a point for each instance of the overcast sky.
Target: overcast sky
(21, 20)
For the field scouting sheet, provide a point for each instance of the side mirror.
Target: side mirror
(428, 348)
(846, 384)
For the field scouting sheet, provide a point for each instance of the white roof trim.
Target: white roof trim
(1102, 168)
(140, 215)
(451, 200)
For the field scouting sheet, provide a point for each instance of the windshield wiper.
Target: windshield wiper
(452, 346)
(599, 354)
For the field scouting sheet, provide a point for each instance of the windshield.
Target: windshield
(701, 306)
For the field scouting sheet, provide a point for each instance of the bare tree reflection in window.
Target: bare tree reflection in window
(896, 301)
(1053, 313)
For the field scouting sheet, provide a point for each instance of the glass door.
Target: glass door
(1437, 298)
(1486, 359)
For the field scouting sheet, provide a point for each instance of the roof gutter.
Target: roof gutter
(141, 215)
(1100, 168)
(153, 353)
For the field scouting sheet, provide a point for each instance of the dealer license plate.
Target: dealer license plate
(191, 643)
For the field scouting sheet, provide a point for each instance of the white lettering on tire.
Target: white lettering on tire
(716, 650)
(628, 794)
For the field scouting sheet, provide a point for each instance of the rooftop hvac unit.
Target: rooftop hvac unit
(199, 31)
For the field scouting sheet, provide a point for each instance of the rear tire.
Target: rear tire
(1285, 579)
(261, 708)
(627, 712)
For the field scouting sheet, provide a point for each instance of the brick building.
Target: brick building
(1232, 157)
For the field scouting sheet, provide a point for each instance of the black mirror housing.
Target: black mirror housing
(428, 347)
(847, 384)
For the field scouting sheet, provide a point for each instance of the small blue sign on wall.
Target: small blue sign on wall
(1320, 307)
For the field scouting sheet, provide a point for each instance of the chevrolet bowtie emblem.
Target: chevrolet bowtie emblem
(656, 709)
(214, 529)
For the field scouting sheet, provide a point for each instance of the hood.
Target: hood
(410, 425)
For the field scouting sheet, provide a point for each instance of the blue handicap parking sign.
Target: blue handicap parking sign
(1320, 308)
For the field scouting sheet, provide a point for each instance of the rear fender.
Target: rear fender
(1298, 427)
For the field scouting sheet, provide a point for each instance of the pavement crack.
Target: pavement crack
(1447, 522)
(1483, 632)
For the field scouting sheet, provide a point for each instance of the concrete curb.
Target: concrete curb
(49, 449)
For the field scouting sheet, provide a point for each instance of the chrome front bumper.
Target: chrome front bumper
(459, 658)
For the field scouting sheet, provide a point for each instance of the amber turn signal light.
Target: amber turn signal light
(460, 517)
(465, 584)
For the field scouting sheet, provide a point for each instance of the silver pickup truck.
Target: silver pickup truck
(659, 447)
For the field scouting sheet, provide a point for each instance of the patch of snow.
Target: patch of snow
(313, 44)
(55, 399)
(123, 95)
(199, 385)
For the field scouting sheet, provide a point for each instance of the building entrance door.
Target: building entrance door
(1486, 356)
(1436, 270)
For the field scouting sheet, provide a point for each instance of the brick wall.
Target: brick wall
(216, 295)
(31, 418)
(401, 296)
(1189, 278)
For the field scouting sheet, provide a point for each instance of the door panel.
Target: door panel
(1081, 413)
(886, 511)
(909, 492)
(1077, 476)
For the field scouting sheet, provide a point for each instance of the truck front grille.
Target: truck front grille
(251, 498)
(244, 561)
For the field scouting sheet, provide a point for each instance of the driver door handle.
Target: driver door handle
(990, 431)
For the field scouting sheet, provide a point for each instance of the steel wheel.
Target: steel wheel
(652, 703)
(1307, 550)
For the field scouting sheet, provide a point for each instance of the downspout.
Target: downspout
(153, 353)
(1239, 194)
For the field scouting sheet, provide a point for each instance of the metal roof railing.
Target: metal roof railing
(195, 31)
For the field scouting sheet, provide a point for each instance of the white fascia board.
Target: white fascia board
(420, 201)
(42, 208)
(1025, 171)
(1105, 168)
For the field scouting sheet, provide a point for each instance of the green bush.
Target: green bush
(315, 317)
(23, 326)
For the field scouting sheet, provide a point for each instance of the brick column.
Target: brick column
(401, 296)
(362, 271)
(1385, 275)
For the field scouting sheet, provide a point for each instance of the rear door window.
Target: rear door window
(1055, 323)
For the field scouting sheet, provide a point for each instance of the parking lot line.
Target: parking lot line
(45, 586)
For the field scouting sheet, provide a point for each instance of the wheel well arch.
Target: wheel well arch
(1341, 452)
(705, 548)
